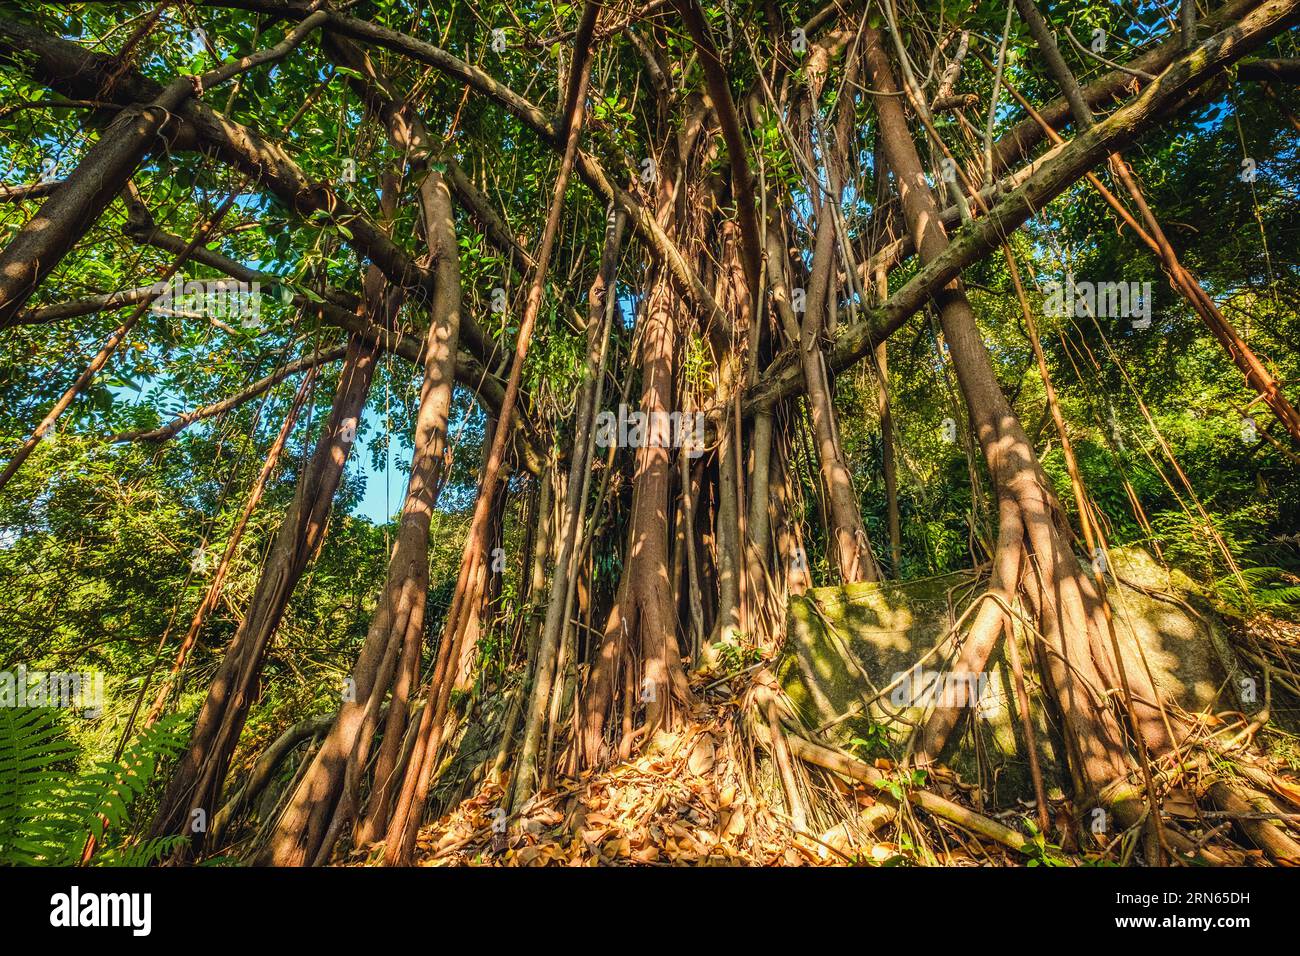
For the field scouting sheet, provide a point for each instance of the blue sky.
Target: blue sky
(385, 486)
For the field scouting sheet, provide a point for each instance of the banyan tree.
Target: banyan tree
(669, 431)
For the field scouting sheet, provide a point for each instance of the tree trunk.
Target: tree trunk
(77, 204)
(556, 624)
(409, 810)
(299, 835)
(192, 793)
(1075, 657)
(646, 611)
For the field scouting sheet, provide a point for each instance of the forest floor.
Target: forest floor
(684, 801)
(701, 796)
(709, 795)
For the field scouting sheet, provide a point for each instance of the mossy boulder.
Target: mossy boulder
(845, 645)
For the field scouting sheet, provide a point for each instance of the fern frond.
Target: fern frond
(33, 763)
(46, 814)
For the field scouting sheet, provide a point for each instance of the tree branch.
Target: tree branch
(181, 422)
(1056, 171)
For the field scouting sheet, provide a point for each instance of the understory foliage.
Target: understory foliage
(143, 508)
(50, 807)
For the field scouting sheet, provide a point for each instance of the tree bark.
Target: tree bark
(404, 826)
(191, 795)
(64, 218)
(1076, 661)
(299, 836)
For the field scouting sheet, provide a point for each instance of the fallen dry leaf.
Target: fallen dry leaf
(703, 755)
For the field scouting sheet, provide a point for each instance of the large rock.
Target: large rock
(846, 644)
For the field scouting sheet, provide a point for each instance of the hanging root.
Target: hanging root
(263, 768)
(746, 781)
(779, 739)
(1210, 798)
